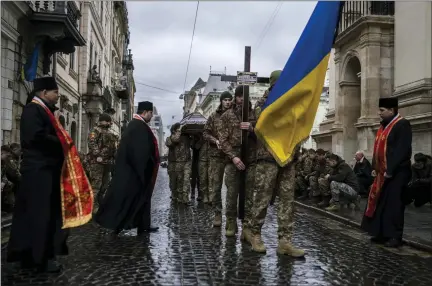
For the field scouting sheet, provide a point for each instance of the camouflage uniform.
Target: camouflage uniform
(102, 145)
(171, 168)
(203, 174)
(324, 185)
(180, 145)
(230, 140)
(10, 178)
(301, 183)
(270, 178)
(217, 162)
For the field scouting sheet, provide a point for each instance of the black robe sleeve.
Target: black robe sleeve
(139, 150)
(399, 146)
(33, 128)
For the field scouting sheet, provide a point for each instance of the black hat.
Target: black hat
(333, 157)
(388, 102)
(224, 95)
(105, 117)
(420, 157)
(145, 106)
(45, 83)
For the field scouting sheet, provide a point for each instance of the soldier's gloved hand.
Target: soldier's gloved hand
(238, 163)
(99, 159)
(218, 144)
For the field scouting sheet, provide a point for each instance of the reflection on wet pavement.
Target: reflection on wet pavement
(187, 250)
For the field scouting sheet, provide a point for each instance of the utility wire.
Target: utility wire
(190, 49)
(155, 87)
(268, 24)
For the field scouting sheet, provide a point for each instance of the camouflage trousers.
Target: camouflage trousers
(203, 171)
(301, 184)
(250, 191)
(232, 180)
(216, 170)
(100, 179)
(313, 183)
(171, 173)
(181, 181)
(324, 187)
(342, 191)
(268, 177)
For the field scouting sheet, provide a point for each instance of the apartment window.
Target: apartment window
(72, 61)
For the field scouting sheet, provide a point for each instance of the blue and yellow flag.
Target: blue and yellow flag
(289, 112)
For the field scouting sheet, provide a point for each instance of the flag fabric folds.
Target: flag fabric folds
(29, 70)
(288, 114)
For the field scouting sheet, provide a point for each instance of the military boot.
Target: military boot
(325, 202)
(257, 244)
(286, 248)
(246, 235)
(217, 222)
(304, 195)
(334, 207)
(316, 200)
(231, 227)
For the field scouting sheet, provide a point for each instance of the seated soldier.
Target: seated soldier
(363, 171)
(344, 187)
(319, 167)
(324, 184)
(420, 188)
(302, 181)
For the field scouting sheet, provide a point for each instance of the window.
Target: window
(95, 59)
(72, 61)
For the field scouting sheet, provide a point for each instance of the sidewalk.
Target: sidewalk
(418, 222)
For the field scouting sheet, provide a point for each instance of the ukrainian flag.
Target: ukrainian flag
(287, 116)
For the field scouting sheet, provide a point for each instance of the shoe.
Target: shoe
(217, 222)
(231, 228)
(246, 235)
(325, 202)
(286, 248)
(257, 244)
(151, 228)
(333, 208)
(378, 239)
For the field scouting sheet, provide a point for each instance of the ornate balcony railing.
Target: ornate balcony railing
(354, 10)
(68, 8)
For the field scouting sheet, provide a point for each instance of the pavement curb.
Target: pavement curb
(410, 242)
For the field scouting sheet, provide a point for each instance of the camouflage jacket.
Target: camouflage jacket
(211, 132)
(203, 147)
(261, 150)
(102, 145)
(179, 147)
(230, 134)
(307, 166)
(10, 174)
(319, 168)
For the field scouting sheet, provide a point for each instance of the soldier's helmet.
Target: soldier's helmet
(274, 76)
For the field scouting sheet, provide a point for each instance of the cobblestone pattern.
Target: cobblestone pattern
(187, 250)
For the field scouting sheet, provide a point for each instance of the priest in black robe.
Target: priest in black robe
(391, 165)
(36, 234)
(127, 203)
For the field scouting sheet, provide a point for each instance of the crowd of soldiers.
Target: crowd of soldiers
(320, 176)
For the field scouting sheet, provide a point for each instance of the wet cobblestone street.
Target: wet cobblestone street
(187, 250)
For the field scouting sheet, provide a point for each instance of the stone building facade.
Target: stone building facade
(383, 50)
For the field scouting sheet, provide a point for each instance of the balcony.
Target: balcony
(58, 22)
(122, 87)
(128, 61)
(355, 11)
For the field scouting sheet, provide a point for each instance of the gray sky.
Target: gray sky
(161, 33)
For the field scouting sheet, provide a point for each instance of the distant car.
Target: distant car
(164, 164)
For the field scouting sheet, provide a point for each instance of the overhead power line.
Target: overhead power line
(190, 49)
(268, 25)
(155, 87)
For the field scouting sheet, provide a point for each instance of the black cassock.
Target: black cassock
(388, 219)
(36, 234)
(127, 203)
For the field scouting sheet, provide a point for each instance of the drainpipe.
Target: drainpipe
(80, 105)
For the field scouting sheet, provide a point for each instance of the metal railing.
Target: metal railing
(67, 8)
(354, 10)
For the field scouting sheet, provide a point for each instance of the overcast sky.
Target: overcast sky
(161, 34)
